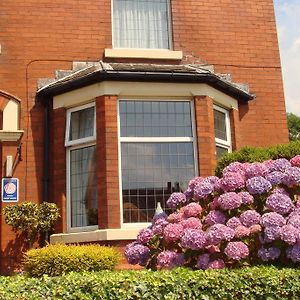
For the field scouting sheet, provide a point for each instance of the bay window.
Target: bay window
(157, 154)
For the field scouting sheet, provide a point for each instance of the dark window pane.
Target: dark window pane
(82, 124)
(221, 151)
(155, 119)
(159, 170)
(220, 125)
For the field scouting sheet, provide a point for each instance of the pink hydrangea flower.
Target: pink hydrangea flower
(250, 217)
(295, 161)
(247, 198)
(191, 223)
(192, 210)
(241, 231)
(176, 217)
(255, 229)
(229, 201)
(233, 222)
(236, 250)
(232, 181)
(173, 232)
(216, 264)
(170, 259)
(219, 232)
(194, 239)
(255, 169)
(176, 199)
(289, 234)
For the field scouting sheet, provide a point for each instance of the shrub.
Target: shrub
(251, 154)
(55, 260)
(248, 216)
(246, 283)
(31, 218)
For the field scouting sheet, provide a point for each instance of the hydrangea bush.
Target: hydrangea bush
(248, 216)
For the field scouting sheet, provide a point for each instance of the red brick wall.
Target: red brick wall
(38, 37)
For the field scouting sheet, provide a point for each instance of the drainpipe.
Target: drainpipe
(45, 195)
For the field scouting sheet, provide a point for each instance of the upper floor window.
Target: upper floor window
(141, 24)
(222, 131)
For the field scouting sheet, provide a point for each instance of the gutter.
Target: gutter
(144, 76)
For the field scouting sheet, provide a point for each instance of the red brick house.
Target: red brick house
(108, 106)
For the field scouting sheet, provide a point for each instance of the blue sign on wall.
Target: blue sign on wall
(10, 189)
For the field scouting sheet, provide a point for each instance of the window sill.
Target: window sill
(143, 53)
(96, 235)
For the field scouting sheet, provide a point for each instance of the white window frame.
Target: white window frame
(192, 139)
(68, 126)
(170, 29)
(70, 146)
(223, 143)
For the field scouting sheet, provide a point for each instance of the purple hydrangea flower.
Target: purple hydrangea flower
(294, 220)
(176, 199)
(233, 222)
(292, 176)
(232, 181)
(293, 253)
(246, 197)
(289, 234)
(170, 259)
(136, 253)
(250, 217)
(192, 210)
(267, 254)
(229, 201)
(175, 217)
(255, 169)
(272, 219)
(295, 161)
(194, 181)
(203, 189)
(275, 177)
(258, 185)
(191, 223)
(189, 193)
(145, 235)
(279, 203)
(173, 232)
(193, 239)
(236, 250)
(159, 226)
(203, 261)
(280, 165)
(219, 232)
(216, 264)
(271, 233)
(215, 217)
(241, 231)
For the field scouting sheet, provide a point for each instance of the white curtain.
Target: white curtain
(141, 24)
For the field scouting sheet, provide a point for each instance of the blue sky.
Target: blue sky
(288, 27)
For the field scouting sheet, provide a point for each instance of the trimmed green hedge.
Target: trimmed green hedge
(246, 283)
(55, 260)
(252, 154)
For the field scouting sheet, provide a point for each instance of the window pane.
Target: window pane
(150, 173)
(220, 125)
(141, 24)
(155, 119)
(220, 151)
(82, 124)
(83, 187)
